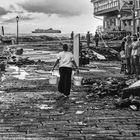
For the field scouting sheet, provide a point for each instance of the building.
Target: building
(119, 15)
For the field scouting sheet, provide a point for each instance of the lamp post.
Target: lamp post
(17, 19)
(119, 17)
(134, 17)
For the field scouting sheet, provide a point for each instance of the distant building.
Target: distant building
(118, 14)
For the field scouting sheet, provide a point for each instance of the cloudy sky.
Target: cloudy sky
(66, 15)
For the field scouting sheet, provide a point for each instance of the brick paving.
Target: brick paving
(28, 115)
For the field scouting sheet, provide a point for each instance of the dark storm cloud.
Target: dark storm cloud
(59, 7)
(3, 11)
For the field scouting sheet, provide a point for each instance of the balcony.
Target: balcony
(103, 7)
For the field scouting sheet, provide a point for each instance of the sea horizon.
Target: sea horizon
(44, 34)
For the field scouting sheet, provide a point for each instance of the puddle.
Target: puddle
(48, 56)
(117, 68)
(18, 73)
(21, 74)
(96, 70)
(79, 112)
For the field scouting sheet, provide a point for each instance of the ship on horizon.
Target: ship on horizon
(50, 30)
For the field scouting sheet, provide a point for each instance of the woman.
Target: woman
(123, 43)
(135, 56)
(128, 49)
(65, 61)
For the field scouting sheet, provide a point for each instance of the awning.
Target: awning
(126, 18)
(117, 31)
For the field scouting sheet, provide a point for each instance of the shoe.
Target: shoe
(59, 97)
(65, 97)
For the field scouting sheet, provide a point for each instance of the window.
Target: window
(137, 4)
(129, 22)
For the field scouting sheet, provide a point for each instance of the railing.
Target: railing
(105, 6)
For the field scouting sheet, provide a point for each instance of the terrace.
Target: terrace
(105, 6)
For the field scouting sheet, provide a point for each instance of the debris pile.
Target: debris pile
(93, 53)
(118, 88)
(2, 66)
(132, 102)
(101, 88)
(26, 61)
(108, 53)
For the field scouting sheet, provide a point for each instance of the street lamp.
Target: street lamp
(119, 17)
(17, 19)
(134, 17)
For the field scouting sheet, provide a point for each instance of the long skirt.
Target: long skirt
(135, 65)
(64, 84)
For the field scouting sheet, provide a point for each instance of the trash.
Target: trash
(136, 84)
(133, 102)
(79, 102)
(81, 123)
(31, 120)
(79, 112)
(123, 103)
(2, 92)
(130, 82)
(1, 120)
(46, 107)
(133, 107)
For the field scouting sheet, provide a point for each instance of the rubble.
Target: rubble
(107, 87)
(95, 88)
(98, 54)
(108, 53)
(133, 103)
(2, 66)
(118, 88)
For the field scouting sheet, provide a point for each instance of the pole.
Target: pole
(2, 30)
(17, 31)
(134, 20)
(76, 44)
(120, 23)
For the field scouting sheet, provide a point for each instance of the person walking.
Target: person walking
(72, 36)
(122, 56)
(66, 61)
(88, 39)
(96, 39)
(128, 50)
(123, 44)
(135, 56)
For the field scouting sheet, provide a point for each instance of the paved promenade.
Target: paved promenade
(37, 115)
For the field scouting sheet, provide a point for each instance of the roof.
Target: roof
(118, 32)
(126, 18)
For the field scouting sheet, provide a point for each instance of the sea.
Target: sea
(44, 34)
